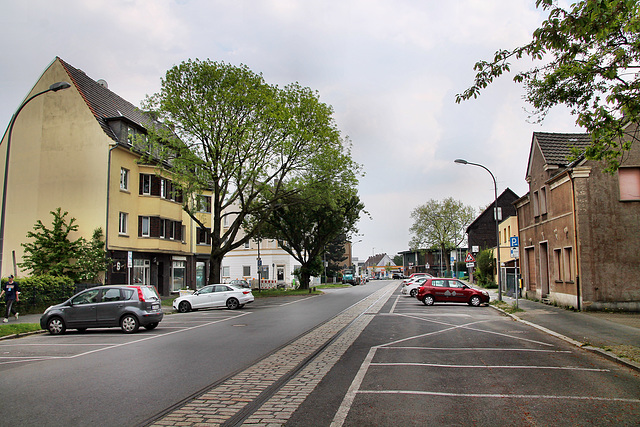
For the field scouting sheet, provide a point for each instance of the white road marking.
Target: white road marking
(439, 365)
(502, 396)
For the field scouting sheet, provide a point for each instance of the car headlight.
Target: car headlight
(48, 309)
(485, 293)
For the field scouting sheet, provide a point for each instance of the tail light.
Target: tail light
(246, 292)
(140, 295)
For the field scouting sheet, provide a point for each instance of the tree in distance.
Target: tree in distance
(590, 55)
(440, 224)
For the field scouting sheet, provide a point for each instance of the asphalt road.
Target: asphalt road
(452, 364)
(106, 378)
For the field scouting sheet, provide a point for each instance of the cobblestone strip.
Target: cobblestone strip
(230, 397)
(277, 410)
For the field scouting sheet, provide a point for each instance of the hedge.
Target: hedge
(39, 292)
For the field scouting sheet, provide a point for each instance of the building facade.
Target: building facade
(578, 226)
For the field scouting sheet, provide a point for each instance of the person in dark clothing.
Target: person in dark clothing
(10, 290)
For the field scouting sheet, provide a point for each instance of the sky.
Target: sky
(389, 68)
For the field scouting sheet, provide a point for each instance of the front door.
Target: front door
(83, 310)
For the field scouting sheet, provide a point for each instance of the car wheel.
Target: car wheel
(475, 301)
(428, 300)
(56, 326)
(129, 324)
(413, 292)
(151, 326)
(184, 307)
(232, 304)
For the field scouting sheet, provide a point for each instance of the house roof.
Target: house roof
(103, 103)
(506, 194)
(556, 148)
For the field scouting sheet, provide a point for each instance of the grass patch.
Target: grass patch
(18, 328)
(502, 305)
(266, 293)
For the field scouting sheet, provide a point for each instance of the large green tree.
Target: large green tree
(238, 137)
(440, 224)
(589, 55)
(325, 207)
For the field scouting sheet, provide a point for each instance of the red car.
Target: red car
(450, 290)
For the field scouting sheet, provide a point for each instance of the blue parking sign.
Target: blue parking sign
(514, 241)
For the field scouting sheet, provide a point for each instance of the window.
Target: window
(226, 271)
(205, 204)
(203, 236)
(536, 204)
(163, 188)
(543, 200)
(247, 245)
(225, 221)
(145, 226)
(246, 270)
(568, 264)
(178, 274)
(163, 228)
(145, 184)
(111, 295)
(124, 219)
(141, 271)
(557, 256)
(124, 179)
(629, 181)
(131, 133)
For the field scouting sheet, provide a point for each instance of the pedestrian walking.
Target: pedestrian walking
(11, 292)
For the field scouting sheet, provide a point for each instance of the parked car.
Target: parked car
(411, 287)
(240, 283)
(415, 276)
(124, 306)
(212, 296)
(450, 290)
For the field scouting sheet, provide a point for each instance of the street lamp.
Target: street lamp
(53, 88)
(495, 189)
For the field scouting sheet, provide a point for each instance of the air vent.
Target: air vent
(103, 83)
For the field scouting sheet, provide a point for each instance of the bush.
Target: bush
(39, 292)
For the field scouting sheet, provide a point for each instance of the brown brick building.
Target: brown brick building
(579, 227)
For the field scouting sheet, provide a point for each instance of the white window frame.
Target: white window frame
(123, 221)
(145, 226)
(144, 178)
(124, 179)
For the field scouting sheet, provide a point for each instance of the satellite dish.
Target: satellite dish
(103, 83)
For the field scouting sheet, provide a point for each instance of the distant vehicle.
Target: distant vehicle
(415, 275)
(212, 296)
(348, 276)
(126, 306)
(451, 290)
(397, 276)
(411, 287)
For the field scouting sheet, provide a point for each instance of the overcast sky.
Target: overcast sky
(390, 69)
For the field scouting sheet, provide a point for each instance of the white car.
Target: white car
(414, 276)
(213, 296)
(411, 287)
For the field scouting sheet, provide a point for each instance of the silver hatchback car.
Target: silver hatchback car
(124, 306)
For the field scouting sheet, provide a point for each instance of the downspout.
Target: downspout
(106, 234)
(575, 241)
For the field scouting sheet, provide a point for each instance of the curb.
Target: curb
(607, 354)
(23, 334)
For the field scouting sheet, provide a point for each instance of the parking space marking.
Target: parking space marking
(502, 396)
(441, 365)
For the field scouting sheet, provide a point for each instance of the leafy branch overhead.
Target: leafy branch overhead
(589, 56)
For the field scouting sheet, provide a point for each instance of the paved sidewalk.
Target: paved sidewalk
(615, 335)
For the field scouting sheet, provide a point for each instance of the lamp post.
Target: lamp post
(53, 88)
(495, 214)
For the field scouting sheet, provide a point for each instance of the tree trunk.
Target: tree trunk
(215, 267)
(305, 277)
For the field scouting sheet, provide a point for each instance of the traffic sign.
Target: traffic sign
(469, 258)
(513, 241)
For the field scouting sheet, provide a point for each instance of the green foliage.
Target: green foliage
(589, 54)
(440, 224)
(230, 134)
(52, 252)
(40, 291)
(485, 265)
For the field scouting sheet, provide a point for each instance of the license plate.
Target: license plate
(155, 306)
